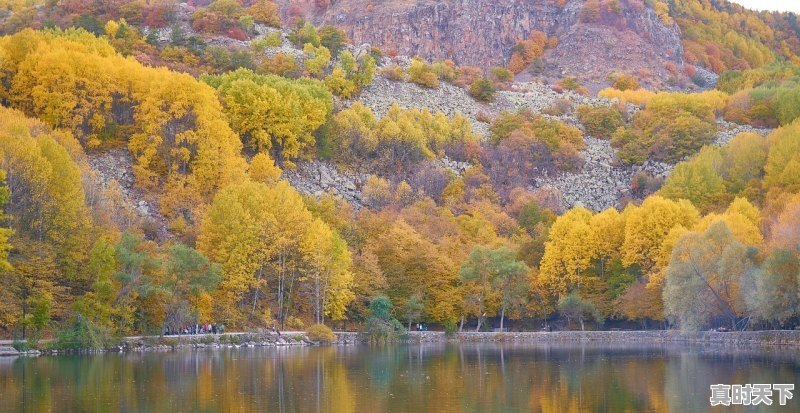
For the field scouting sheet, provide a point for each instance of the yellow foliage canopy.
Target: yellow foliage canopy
(173, 125)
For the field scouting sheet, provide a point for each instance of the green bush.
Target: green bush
(422, 74)
(21, 345)
(320, 333)
(600, 121)
(482, 90)
(381, 324)
(82, 334)
(450, 327)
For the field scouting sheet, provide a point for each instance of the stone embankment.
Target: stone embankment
(736, 338)
(769, 338)
(212, 341)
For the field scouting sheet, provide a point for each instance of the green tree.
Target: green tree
(574, 307)
(704, 276)
(413, 308)
(771, 291)
(511, 281)
(332, 38)
(189, 278)
(381, 323)
(304, 33)
(139, 304)
(494, 274)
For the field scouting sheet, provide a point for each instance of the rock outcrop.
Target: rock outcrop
(319, 177)
(7, 351)
(452, 100)
(483, 32)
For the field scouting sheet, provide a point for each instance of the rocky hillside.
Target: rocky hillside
(631, 38)
(601, 183)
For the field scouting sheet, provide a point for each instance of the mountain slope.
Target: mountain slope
(664, 43)
(591, 42)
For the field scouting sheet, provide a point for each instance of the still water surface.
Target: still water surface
(439, 378)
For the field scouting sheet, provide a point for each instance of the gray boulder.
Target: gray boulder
(8, 351)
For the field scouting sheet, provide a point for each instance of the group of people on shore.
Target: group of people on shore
(207, 328)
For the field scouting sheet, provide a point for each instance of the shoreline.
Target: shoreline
(749, 339)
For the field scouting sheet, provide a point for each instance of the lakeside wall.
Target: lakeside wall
(743, 338)
(751, 339)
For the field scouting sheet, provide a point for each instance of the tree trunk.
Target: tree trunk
(480, 321)
(461, 326)
(581, 320)
(502, 316)
(255, 301)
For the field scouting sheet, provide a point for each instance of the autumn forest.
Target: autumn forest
(209, 228)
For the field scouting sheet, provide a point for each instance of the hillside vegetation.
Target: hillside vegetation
(451, 224)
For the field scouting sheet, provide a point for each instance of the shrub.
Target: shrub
(21, 345)
(304, 32)
(571, 83)
(339, 85)
(501, 74)
(482, 89)
(265, 11)
(558, 108)
(80, 334)
(465, 75)
(625, 82)
(450, 327)
(445, 70)
(672, 127)
(638, 97)
(274, 39)
(526, 143)
(483, 117)
(282, 65)
(394, 72)
(320, 333)
(422, 74)
(333, 38)
(600, 121)
(526, 51)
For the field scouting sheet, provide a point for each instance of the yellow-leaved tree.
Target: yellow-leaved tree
(571, 247)
(648, 225)
(45, 203)
(327, 279)
(173, 125)
(273, 252)
(273, 113)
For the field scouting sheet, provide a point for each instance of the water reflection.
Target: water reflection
(418, 378)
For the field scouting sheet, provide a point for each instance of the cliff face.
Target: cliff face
(483, 32)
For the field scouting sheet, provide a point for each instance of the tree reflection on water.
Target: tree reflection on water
(415, 378)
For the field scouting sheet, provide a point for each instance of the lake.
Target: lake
(439, 378)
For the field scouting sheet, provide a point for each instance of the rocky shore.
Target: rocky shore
(737, 338)
(751, 339)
